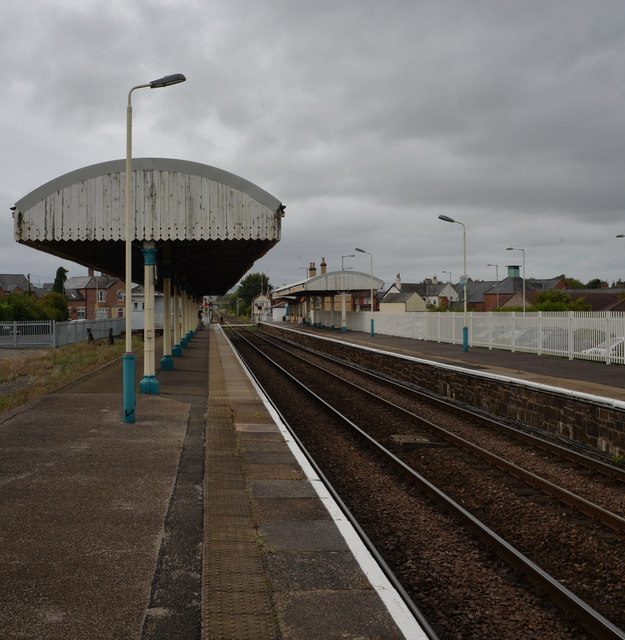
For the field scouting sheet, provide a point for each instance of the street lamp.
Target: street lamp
(350, 255)
(463, 279)
(449, 272)
(129, 356)
(523, 250)
(496, 276)
(370, 281)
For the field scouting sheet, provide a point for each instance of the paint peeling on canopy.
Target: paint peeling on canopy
(174, 200)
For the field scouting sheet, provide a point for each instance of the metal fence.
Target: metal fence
(586, 335)
(43, 334)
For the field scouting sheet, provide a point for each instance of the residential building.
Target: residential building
(13, 283)
(509, 292)
(402, 297)
(94, 297)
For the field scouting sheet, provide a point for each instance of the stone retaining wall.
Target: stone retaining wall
(599, 426)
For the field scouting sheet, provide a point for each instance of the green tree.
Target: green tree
(54, 305)
(59, 281)
(24, 307)
(6, 312)
(252, 285)
(595, 283)
(558, 300)
(573, 283)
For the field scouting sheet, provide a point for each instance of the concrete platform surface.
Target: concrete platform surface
(197, 521)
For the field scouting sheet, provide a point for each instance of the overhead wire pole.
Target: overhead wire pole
(128, 371)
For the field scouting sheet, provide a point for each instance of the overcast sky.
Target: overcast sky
(367, 119)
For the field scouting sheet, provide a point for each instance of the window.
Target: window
(101, 296)
(120, 294)
(80, 313)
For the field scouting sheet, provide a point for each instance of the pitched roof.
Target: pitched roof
(599, 299)
(90, 282)
(10, 281)
(476, 290)
(402, 296)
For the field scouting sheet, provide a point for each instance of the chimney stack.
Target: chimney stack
(398, 282)
(312, 270)
(323, 266)
(90, 272)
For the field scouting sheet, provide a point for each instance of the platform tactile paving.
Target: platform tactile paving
(235, 597)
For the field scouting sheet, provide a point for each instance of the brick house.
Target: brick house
(13, 283)
(94, 297)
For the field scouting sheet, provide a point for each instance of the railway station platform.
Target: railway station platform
(199, 520)
(585, 376)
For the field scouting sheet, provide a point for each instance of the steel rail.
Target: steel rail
(588, 617)
(611, 520)
(412, 607)
(605, 468)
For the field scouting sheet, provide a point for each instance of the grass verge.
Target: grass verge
(32, 374)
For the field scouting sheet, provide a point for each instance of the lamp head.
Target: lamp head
(166, 81)
(446, 218)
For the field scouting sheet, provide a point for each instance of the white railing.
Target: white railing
(587, 335)
(45, 334)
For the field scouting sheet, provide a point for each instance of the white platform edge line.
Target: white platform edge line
(395, 605)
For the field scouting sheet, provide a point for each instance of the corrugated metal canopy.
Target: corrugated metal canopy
(331, 283)
(209, 225)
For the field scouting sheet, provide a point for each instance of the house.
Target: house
(402, 297)
(476, 295)
(509, 292)
(600, 299)
(13, 283)
(94, 297)
(437, 294)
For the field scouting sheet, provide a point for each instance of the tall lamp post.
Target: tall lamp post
(349, 255)
(371, 281)
(464, 278)
(523, 250)
(449, 272)
(129, 356)
(497, 277)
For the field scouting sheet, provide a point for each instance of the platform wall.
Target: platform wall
(599, 426)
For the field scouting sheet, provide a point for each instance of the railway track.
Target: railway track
(410, 469)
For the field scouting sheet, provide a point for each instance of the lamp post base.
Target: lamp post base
(167, 363)
(128, 373)
(465, 338)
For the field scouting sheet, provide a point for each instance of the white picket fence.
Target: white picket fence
(588, 335)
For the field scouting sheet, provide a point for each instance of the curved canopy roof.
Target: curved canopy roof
(331, 283)
(209, 226)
